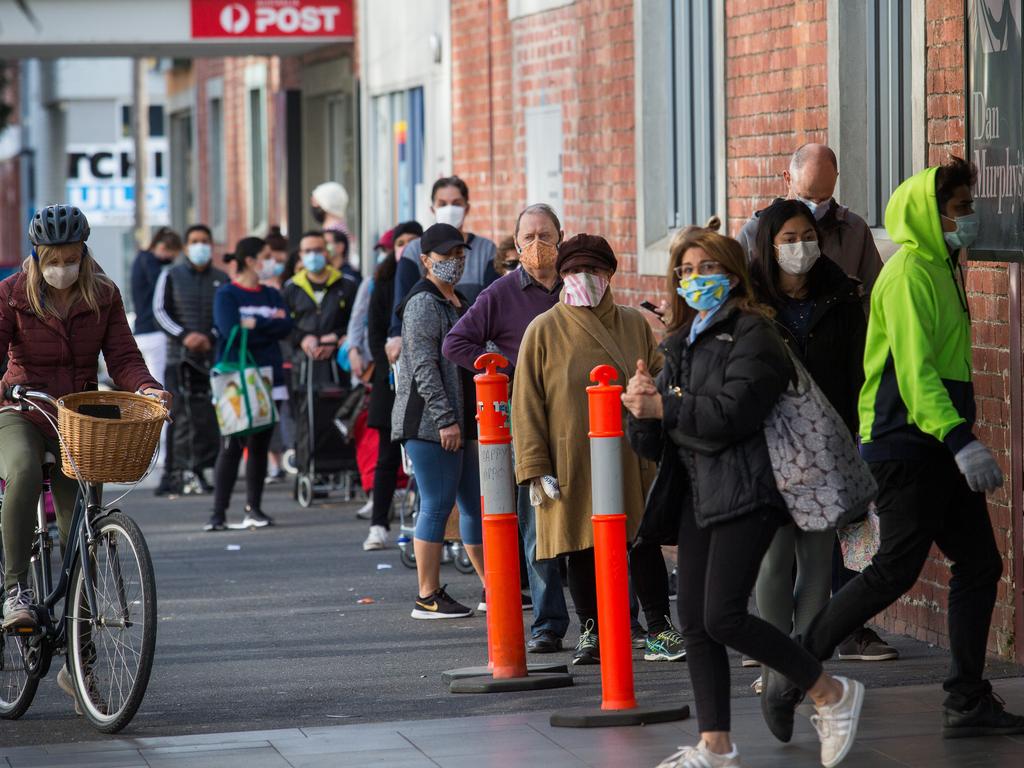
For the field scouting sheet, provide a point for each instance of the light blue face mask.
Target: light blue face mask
(705, 292)
(314, 261)
(818, 210)
(966, 231)
(199, 254)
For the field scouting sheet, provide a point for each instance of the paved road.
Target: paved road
(271, 636)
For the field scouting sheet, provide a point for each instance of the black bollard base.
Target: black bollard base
(613, 718)
(462, 672)
(540, 681)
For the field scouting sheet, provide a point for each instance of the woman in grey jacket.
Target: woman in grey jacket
(434, 417)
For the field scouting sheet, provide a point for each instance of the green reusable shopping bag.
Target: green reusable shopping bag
(242, 391)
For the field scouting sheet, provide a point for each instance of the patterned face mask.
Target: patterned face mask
(584, 289)
(539, 255)
(449, 271)
(704, 292)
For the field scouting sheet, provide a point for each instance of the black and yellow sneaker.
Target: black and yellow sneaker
(667, 645)
(439, 605)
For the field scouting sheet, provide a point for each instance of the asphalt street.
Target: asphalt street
(264, 629)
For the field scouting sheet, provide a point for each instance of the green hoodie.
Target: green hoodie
(917, 361)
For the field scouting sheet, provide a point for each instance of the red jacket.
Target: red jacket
(61, 356)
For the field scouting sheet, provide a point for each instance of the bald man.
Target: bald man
(846, 238)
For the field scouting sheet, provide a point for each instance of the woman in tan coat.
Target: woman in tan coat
(550, 423)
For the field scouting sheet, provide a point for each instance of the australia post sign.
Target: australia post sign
(272, 18)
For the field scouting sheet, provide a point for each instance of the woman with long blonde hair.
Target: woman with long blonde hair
(56, 316)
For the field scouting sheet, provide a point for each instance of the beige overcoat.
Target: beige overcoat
(550, 419)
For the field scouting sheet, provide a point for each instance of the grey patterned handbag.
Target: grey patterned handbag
(818, 469)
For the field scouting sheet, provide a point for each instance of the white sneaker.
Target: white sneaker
(701, 757)
(378, 538)
(365, 512)
(837, 724)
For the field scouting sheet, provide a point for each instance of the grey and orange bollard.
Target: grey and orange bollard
(508, 670)
(618, 702)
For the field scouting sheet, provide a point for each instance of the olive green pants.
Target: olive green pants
(22, 447)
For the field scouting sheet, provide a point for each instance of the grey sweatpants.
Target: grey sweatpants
(22, 446)
(786, 605)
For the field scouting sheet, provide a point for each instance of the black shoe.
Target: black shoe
(169, 485)
(216, 524)
(865, 645)
(544, 642)
(779, 700)
(439, 605)
(988, 718)
(587, 650)
(638, 637)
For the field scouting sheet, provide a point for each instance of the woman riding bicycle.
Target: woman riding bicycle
(56, 316)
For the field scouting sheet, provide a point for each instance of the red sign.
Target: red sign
(272, 18)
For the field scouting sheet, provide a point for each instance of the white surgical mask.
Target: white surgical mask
(61, 277)
(818, 210)
(450, 214)
(798, 258)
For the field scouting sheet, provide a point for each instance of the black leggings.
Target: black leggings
(647, 573)
(226, 471)
(385, 477)
(718, 566)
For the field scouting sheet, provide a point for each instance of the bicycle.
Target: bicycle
(106, 626)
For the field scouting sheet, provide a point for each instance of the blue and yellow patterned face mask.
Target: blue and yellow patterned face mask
(704, 292)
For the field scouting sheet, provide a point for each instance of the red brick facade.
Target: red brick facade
(582, 57)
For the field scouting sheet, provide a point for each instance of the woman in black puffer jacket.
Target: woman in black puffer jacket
(725, 368)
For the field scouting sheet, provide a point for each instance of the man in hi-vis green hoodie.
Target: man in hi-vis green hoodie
(916, 415)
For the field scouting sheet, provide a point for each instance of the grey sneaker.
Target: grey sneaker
(587, 649)
(18, 608)
(865, 645)
(837, 724)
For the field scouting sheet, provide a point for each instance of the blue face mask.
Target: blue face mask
(314, 261)
(705, 292)
(199, 254)
(818, 210)
(966, 231)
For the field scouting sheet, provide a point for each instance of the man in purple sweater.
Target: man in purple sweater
(498, 319)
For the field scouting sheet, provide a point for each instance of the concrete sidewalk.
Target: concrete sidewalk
(900, 727)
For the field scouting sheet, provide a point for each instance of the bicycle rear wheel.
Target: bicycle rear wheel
(112, 652)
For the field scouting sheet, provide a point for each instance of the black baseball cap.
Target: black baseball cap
(441, 238)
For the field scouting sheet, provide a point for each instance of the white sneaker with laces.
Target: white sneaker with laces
(378, 538)
(837, 724)
(701, 757)
(365, 512)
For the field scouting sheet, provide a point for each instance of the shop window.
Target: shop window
(397, 141)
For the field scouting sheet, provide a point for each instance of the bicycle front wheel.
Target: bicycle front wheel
(111, 649)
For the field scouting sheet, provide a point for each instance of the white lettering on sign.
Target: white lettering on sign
(288, 19)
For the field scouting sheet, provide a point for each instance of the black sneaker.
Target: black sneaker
(255, 518)
(865, 645)
(779, 700)
(169, 485)
(638, 636)
(440, 605)
(544, 642)
(216, 524)
(667, 645)
(587, 650)
(988, 718)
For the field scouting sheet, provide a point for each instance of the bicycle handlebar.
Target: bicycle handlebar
(20, 393)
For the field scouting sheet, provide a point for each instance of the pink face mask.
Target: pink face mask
(584, 289)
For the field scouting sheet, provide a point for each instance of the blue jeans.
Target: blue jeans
(549, 611)
(444, 477)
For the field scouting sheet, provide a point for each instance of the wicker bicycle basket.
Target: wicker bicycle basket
(109, 450)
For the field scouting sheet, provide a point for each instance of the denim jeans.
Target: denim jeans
(549, 611)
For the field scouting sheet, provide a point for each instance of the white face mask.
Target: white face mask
(450, 214)
(798, 258)
(61, 277)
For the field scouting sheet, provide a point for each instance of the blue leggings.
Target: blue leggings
(444, 477)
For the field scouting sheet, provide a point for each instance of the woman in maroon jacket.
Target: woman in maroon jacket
(56, 317)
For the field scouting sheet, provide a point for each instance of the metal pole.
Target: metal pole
(140, 128)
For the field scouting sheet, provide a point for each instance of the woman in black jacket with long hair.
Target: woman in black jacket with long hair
(703, 420)
(820, 316)
(382, 395)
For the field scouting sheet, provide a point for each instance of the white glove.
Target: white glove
(549, 486)
(979, 466)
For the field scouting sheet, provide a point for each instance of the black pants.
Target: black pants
(647, 573)
(921, 502)
(385, 477)
(225, 473)
(718, 566)
(172, 385)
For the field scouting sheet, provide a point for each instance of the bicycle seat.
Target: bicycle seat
(49, 459)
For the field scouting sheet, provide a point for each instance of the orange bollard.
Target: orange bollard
(508, 668)
(618, 701)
